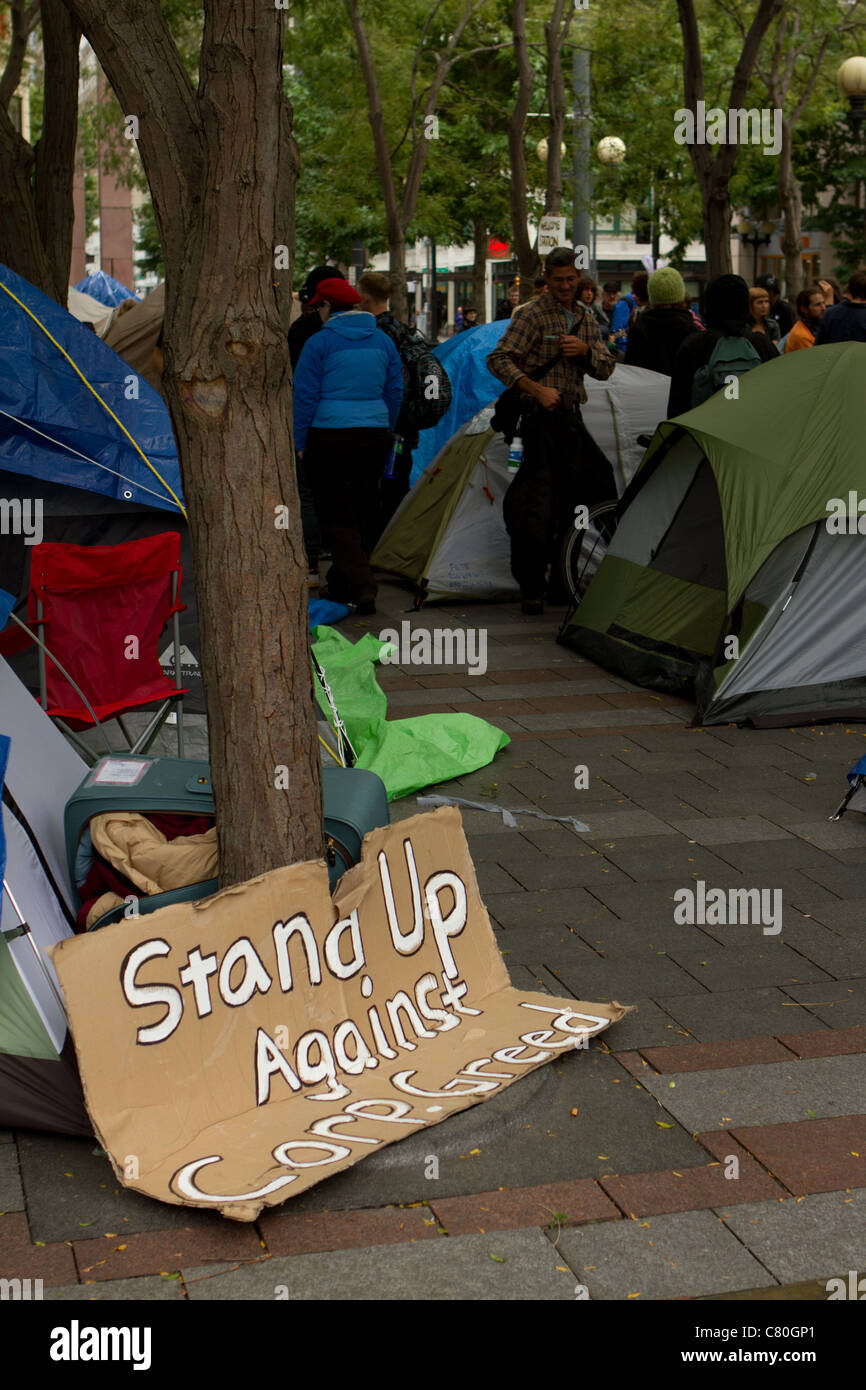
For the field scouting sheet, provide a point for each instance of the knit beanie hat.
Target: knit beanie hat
(666, 287)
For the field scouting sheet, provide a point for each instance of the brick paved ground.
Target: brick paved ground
(719, 1139)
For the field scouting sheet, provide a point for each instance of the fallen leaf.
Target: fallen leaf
(661, 1124)
(500, 1259)
(633, 1295)
(574, 1112)
(121, 1247)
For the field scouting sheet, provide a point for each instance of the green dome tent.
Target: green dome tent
(737, 571)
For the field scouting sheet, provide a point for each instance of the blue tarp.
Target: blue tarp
(106, 289)
(43, 394)
(858, 770)
(464, 358)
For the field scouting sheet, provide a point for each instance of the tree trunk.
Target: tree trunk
(55, 151)
(21, 245)
(714, 171)
(791, 205)
(397, 270)
(222, 165)
(556, 104)
(717, 228)
(525, 252)
(479, 268)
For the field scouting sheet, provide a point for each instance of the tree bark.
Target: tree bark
(525, 252)
(222, 165)
(479, 268)
(55, 150)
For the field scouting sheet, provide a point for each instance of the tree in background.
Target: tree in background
(807, 33)
(714, 171)
(221, 165)
(36, 208)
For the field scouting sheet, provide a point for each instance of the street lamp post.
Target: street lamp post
(852, 84)
(753, 235)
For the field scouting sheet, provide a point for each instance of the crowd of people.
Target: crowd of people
(356, 407)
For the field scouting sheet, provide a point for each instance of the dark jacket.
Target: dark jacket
(655, 337)
(844, 323)
(300, 332)
(695, 352)
(784, 316)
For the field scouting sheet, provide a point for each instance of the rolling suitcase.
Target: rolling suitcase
(355, 801)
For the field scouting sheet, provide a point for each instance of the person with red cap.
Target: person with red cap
(347, 397)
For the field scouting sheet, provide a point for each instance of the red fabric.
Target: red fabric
(102, 878)
(95, 600)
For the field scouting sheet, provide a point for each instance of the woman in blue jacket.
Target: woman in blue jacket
(347, 395)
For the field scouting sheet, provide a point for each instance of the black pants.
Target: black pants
(344, 468)
(562, 467)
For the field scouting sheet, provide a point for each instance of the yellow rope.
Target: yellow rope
(331, 751)
(92, 389)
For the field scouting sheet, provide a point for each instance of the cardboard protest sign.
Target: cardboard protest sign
(238, 1050)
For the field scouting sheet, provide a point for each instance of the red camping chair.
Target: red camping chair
(97, 613)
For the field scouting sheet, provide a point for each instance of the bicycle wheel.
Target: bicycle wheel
(583, 550)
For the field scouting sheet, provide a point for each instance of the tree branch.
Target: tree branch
(157, 89)
(24, 19)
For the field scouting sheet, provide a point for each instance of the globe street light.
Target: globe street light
(852, 84)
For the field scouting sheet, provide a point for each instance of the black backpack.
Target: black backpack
(426, 388)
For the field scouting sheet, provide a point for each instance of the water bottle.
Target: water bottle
(396, 451)
(515, 455)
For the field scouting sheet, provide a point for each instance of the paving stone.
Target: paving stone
(690, 1189)
(6, 1136)
(836, 1005)
(684, 1254)
(552, 947)
(626, 979)
(151, 1290)
(545, 872)
(799, 931)
(744, 1013)
(766, 857)
(492, 878)
(52, 1262)
(594, 719)
(527, 977)
(502, 1266)
(822, 1236)
(735, 1052)
(812, 1155)
(775, 1093)
(643, 904)
(556, 907)
(843, 959)
(563, 1203)
(161, 1252)
(59, 1206)
(647, 1026)
(646, 858)
(771, 963)
(615, 938)
(11, 1194)
(831, 1043)
(400, 699)
(287, 1232)
(729, 830)
(829, 836)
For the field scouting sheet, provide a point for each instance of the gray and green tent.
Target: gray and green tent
(737, 572)
(39, 1084)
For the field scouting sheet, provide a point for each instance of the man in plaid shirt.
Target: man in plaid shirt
(562, 465)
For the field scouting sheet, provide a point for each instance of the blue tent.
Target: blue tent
(106, 289)
(464, 358)
(52, 425)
